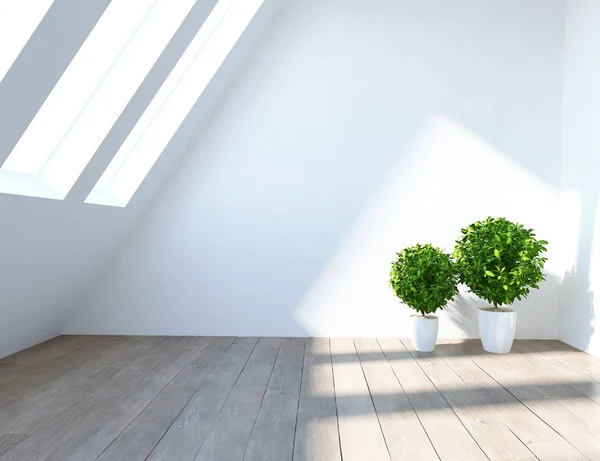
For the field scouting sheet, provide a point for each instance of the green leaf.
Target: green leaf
(424, 278)
(499, 260)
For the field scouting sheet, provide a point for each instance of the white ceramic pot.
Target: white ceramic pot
(497, 329)
(424, 332)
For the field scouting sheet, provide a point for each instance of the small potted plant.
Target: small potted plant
(499, 261)
(424, 278)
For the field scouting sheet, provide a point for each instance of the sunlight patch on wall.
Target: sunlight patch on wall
(446, 178)
(90, 96)
(180, 91)
(18, 21)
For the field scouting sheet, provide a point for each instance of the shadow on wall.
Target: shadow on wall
(540, 306)
(578, 311)
(577, 292)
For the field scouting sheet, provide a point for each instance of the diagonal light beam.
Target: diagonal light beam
(173, 102)
(91, 94)
(18, 21)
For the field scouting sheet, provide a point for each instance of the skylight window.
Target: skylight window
(172, 103)
(89, 97)
(18, 21)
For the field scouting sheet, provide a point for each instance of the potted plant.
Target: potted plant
(424, 278)
(499, 261)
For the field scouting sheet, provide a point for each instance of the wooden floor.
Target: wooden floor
(221, 399)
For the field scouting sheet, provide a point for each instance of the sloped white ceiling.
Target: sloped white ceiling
(50, 250)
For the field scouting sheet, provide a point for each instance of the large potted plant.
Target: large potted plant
(424, 278)
(499, 261)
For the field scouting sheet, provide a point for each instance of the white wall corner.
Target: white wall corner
(580, 185)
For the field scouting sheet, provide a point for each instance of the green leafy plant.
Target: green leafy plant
(499, 260)
(424, 278)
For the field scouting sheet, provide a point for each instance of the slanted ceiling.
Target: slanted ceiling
(50, 250)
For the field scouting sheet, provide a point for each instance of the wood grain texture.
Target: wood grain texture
(189, 431)
(272, 438)
(249, 399)
(404, 433)
(66, 356)
(228, 439)
(496, 440)
(541, 398)
(9, 440)
(110, 422)
(317, 436)
(89, 411)
(449, 436)
(541, 439)
(28, 409)
(553, 362)
(360, 433)
(146, 430)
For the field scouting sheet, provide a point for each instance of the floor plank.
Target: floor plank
(539, 398)
(185, 437)
(43, 351)
(27, 410)
(537, 353)
(403, 431)
(229, 436)
(496, 440)
(272, 438)
(528, 374)
(570, 355)
(91, 410)
(9, 440)
(79, 351)
(360, 433)
(541, 439)
(586, 364)
(234, 399)
(93, 437)
(144, 433)
(317, 436)
(18, 364)
(448, 435)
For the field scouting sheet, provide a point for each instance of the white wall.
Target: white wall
(581, 173)
(51, 251)
(360, 127)
(46, 247)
